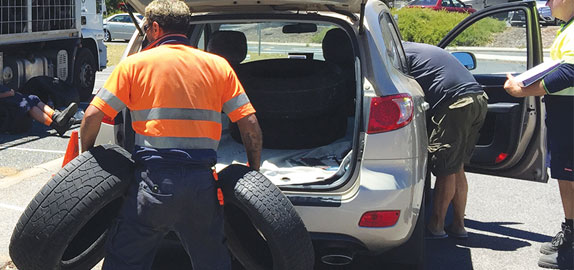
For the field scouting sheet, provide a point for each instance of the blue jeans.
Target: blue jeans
(163, 199)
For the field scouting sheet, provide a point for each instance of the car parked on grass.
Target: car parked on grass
(448, 5)
(343, 124)
(120, 26)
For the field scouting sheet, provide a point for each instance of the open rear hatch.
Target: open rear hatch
(321, 158)
(352, 6)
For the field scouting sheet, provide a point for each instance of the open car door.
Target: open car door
(512, 141)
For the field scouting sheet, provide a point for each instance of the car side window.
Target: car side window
(115, 19)
(499, 43)
(271, 41)
(446, 3)
(458, 4)
(394, 49)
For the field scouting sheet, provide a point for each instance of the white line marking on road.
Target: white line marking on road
(33, 150)
(12, 207)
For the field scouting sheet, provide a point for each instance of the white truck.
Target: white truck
(62, 38)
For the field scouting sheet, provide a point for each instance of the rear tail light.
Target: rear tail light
(378, 219)
(108, 120)
(390, 113)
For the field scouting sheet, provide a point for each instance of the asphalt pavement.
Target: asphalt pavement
(507, 221)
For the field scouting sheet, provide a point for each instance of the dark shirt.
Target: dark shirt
(560, 80)
(441, 76)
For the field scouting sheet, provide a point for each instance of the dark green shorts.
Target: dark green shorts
(453, 132)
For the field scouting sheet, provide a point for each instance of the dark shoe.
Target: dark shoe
(562, 238)
(562, 259)
(434, 236)
(457, 235)
(61, 120)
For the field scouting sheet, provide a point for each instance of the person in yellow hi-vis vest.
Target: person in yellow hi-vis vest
(176, 94)
(558, 88)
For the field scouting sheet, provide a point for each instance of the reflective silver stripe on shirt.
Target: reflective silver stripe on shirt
(111, 99)
(234, 103)
(176, 114)
(176, 142)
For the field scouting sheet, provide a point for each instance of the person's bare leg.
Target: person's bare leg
(459, 202)
(444, 190)
(567, 195)
(46, 109)
(40, 115)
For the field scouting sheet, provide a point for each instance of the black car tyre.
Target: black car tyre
(85, 69)
(107, 36)
(262, 227)
(309, 132)
(65, 225)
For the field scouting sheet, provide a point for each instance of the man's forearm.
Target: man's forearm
(90, 127)
(253, 145)
(252, 140)
(514, 89)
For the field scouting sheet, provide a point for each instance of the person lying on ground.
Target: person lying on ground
(15, 105)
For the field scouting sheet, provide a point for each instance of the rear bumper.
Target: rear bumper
(377, 191)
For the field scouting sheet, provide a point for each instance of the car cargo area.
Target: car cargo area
(300, 78)
(294, 166)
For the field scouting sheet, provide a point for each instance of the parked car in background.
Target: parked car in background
(544, 16)
(448, 5)
(120, 26)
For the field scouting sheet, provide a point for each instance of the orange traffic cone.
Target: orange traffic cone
(73, 149)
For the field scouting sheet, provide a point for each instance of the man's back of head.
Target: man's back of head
(172, 15)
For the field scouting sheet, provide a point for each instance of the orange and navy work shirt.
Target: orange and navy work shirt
(176, 94)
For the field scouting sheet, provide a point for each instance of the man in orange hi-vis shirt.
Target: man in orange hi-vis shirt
(176, 94)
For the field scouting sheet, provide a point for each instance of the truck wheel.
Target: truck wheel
(85, 73)
(107, 36)
(263, 229)
(65, 225)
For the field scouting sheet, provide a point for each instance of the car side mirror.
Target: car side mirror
(467, 59)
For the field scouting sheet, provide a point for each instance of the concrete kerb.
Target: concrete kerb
(50, 166)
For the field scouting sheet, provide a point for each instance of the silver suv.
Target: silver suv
(343, 122)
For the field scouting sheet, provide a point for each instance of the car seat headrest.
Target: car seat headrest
(337, 47)
(231, 45)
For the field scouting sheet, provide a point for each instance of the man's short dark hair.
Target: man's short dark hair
(172, 15)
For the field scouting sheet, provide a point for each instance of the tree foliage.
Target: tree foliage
(112, 6)
(429, 26)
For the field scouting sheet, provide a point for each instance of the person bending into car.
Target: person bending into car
(17, 109)
(176, 94)
(558, 90)
(458, 109)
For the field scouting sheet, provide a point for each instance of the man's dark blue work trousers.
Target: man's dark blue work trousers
(163, 199)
